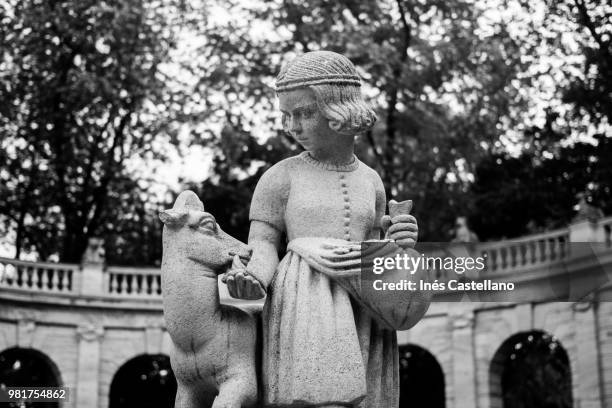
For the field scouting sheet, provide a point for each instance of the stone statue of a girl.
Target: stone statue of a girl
(320, 347)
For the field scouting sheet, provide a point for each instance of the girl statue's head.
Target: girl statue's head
(334, 80)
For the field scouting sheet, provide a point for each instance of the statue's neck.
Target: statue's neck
(338, 152)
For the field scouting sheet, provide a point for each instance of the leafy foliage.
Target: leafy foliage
(439, 85)
(81, 84)
(88, 91)
(538, 189)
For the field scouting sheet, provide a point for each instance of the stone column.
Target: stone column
(89, 338)
(464, 368)
(587, 360)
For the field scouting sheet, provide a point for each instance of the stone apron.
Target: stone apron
(316, 347)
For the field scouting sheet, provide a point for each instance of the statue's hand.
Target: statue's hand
(403, 229)
(240, 284)
(399, 225)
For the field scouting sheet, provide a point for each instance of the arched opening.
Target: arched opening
(530, 370)
(24, 367)
(421, 379)
(146, 381)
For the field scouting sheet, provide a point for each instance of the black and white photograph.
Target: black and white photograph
(305, 204)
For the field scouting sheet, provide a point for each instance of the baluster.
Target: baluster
(27, 276)
(44, 279)
(2, 274)
(36, 278)
(113, 283)
(502, 258)
(513, 255)
(124, 283)
(156, 285)
(528, 253)
(536, 251)
(545, 251)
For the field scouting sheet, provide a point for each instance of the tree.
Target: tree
(514, 196)
(591, 92)
(441, 88)
(536, 373)
(568, 155)
(84, 94)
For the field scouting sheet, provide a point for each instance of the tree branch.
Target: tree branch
(393, 96)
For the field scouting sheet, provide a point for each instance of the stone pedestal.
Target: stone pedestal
(586, 231)
(92, 268)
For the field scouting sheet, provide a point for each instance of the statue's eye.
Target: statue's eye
(208, 225)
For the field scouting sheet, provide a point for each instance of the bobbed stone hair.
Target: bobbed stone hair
(336, 85)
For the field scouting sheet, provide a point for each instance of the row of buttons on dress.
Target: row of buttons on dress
(347, 208)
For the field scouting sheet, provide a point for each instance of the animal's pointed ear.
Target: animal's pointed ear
(189, 200)
(173, 217)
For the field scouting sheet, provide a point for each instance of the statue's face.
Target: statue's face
(303, 120)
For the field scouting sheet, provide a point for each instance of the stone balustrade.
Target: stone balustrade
(38, 276)
(130, 283)
(533, 250)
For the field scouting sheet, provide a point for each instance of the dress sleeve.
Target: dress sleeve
(270, 197)
(381, 205)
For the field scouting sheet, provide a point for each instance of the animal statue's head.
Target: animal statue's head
(192, 233)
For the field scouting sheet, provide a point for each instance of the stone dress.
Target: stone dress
(320, 347)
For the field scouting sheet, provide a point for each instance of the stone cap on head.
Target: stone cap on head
(317, 68)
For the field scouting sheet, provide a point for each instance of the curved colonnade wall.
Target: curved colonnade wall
(90, 320)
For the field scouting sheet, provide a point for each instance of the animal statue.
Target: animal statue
(214, 346)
